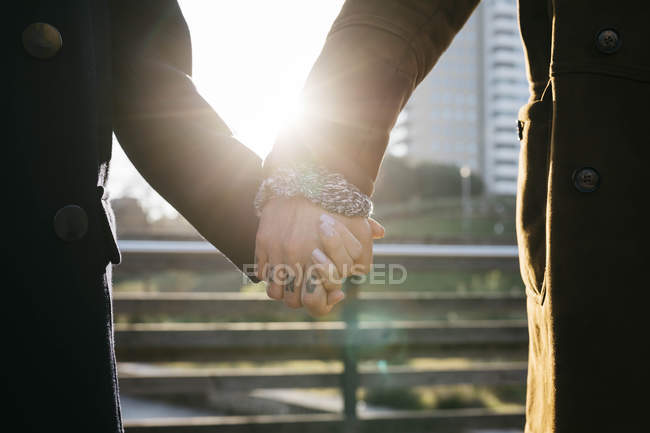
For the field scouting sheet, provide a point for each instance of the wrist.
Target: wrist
(330, 191)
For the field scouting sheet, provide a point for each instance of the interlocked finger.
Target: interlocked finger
(314, 296)
(326, 270)
(290, 280)
(334, 248)
(273, 280)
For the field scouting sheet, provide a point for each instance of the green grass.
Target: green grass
(438, 280)
(456, 281)
(447, 397)
(433, 228)
(443, 220)
(180, 281)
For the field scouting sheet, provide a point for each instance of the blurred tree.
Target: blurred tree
(398, 181)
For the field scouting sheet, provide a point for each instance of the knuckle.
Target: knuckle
(289, 277)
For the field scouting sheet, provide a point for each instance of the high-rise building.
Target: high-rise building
(465, 111)
(505, 90)
(441, 122)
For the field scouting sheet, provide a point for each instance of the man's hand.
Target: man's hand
(304, 252)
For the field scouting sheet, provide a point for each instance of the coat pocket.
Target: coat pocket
(534, 133)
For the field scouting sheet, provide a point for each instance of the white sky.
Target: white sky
(251, 58)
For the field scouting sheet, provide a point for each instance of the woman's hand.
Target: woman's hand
(304, 252)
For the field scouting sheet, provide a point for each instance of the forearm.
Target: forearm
(173, 137)
(374, 57)
(209, 177)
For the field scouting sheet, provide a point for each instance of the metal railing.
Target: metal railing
(380, 250)
(348, 339)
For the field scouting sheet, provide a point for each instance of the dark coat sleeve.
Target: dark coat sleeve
(376, 53)
(172, 136)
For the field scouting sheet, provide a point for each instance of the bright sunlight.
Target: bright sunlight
(250, 60)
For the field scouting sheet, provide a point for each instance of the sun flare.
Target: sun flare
(250, 61)
(252, 57)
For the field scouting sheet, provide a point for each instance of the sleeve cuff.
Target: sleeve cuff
(331, 191)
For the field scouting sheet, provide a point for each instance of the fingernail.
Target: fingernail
(327, 229)
(327, 219)
(319, 256)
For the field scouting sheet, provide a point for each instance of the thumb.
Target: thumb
(376, 229)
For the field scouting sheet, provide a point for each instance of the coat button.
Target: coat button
(608, 41)
(71, 223)
(42, 40)
(586, 179)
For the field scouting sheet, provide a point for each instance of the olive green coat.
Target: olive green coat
(581, 231)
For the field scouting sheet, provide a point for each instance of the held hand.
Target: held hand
(304, 252)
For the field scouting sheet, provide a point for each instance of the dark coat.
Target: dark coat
(581, 230)
(93, 67)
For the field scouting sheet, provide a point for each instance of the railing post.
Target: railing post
(350, 378)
